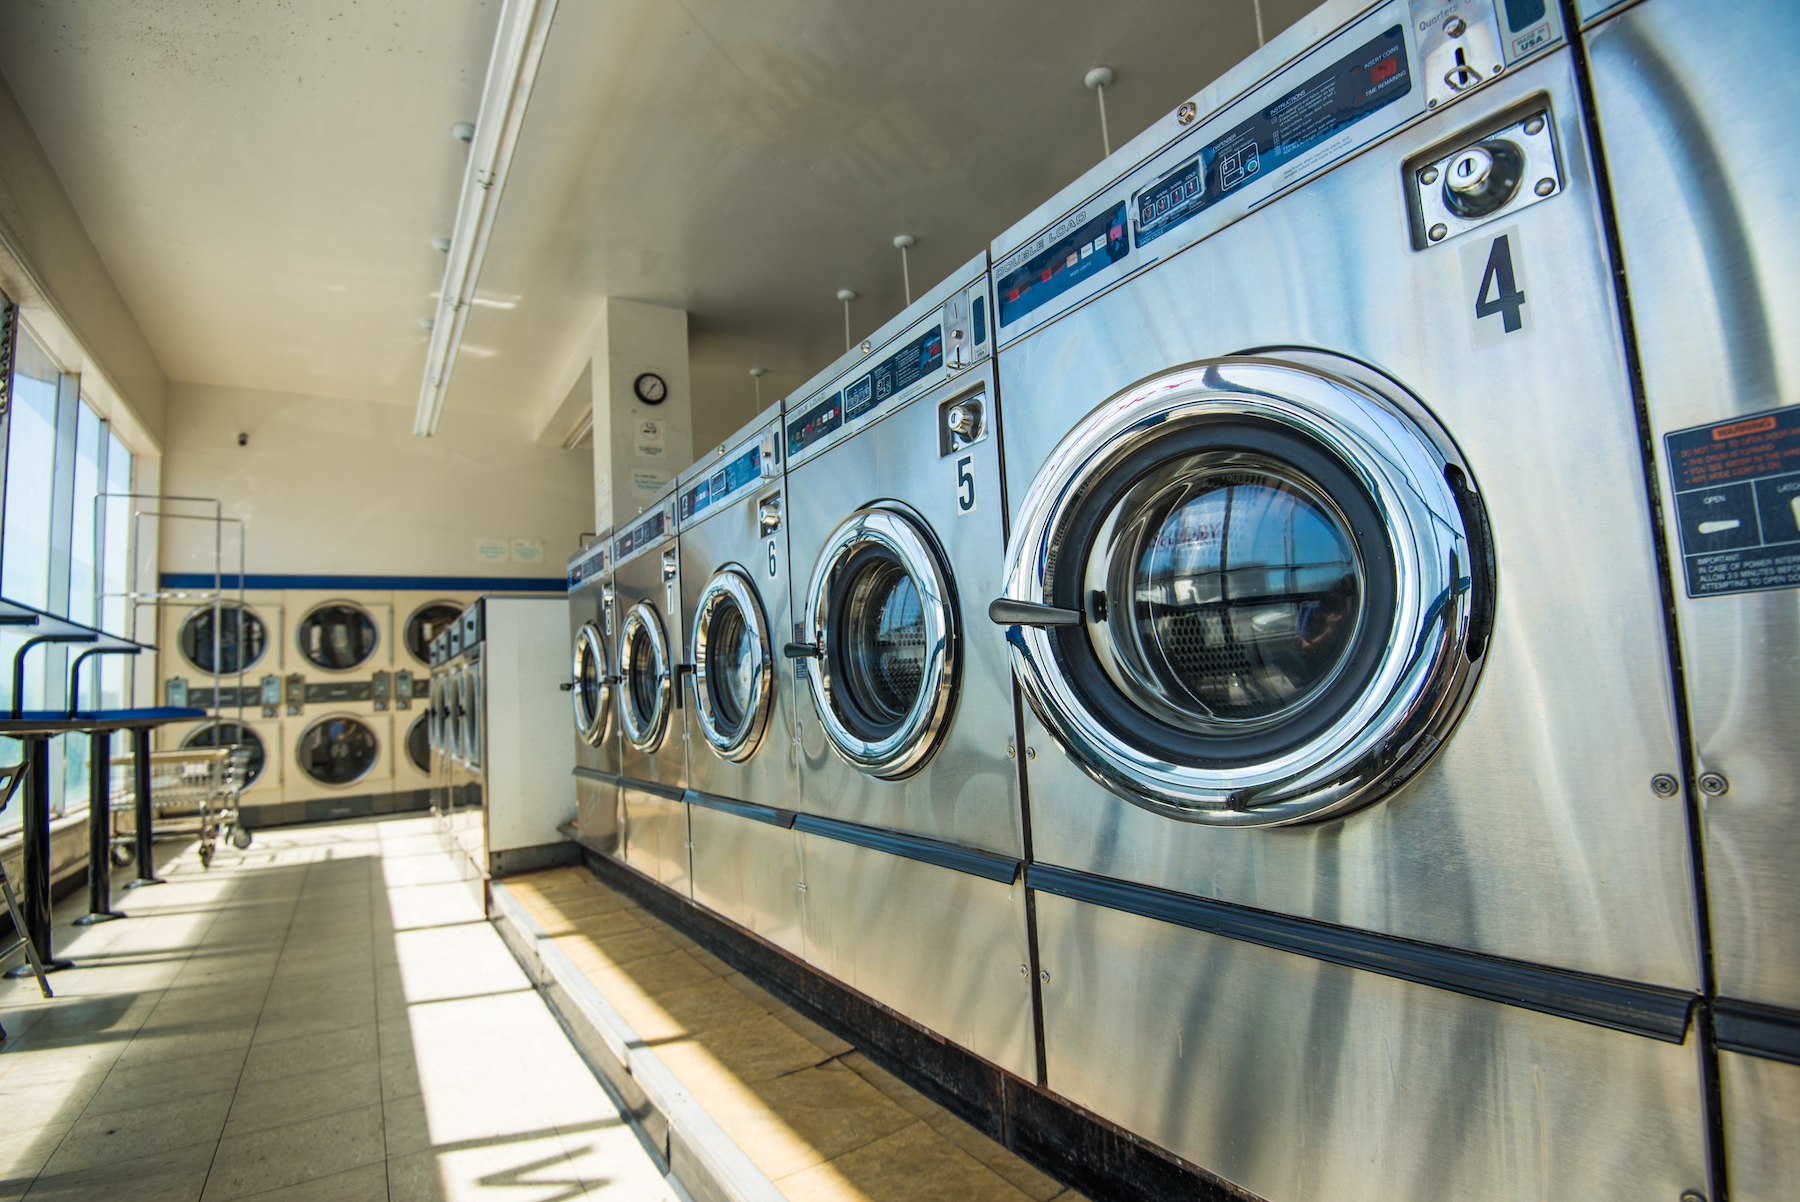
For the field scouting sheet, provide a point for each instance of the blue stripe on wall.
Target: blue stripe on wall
(435, 584)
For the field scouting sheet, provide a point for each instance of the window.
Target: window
(63, 548)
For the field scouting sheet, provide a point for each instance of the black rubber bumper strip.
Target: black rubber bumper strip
(743, 809)
(914, 847)
(1652, 1010)
(1765, 1031)
(653, 788)
(605, 778)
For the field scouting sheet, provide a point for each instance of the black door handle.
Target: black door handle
(801, 650)
(1007, 612)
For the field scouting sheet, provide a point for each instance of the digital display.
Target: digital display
(1371, 77)
(1089, 248)
(858, 397)
(592, 562)
(713, 490)
(641, 535)
(815, 423)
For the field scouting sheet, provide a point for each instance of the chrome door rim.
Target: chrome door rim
(590, 727)
(1423, 678)
(908, 747)
(644, 733)
(731, 586)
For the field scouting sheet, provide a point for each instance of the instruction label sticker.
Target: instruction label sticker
(1737, 501)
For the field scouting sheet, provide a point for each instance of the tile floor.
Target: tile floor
(325, 1016)
(821, 1120)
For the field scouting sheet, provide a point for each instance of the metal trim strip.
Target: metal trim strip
(585, 773)
(970, 860)
(743, 809)
(653, 788)
(1765, 1031)
(1650, 1010)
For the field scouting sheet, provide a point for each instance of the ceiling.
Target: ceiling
(264, 178)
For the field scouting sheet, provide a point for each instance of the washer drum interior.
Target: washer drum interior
(1252, 591)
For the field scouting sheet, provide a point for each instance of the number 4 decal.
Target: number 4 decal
(1493, 270)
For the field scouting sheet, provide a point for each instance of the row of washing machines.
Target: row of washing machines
(323, 689)
(1285, 651)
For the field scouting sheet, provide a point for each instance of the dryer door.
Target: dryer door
(881, 616)
(645, 678)
(592, 694)
(1252, 591)
(337, 750)
(734, 666)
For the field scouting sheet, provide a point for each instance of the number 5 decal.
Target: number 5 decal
(965, 485)
(1493, 270)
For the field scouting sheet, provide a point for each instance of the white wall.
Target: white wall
(339, 487)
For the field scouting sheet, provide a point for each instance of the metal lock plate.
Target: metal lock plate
(962, 422)
(1539, 178)
(768, 515)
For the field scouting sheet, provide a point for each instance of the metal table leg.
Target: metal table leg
(99, 831)
(35, 833)
(146, 855)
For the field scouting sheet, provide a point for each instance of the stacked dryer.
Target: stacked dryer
(742, 769)
(247, 644)
(1360, 868)
(910, 826)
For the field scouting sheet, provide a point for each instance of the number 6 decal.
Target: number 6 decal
(1493, 269)
(774, 564)
(965, 485)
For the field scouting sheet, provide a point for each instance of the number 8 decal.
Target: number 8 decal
(965, 485)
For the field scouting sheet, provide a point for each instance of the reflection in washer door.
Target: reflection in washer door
(418, 743)
(733, 665)
(881, 609)
(337, 750)
(1266, 588)
(427, 622)
(337, 637)
(242, 638)
(232, 734)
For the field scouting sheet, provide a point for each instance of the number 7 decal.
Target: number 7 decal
(1493, 271)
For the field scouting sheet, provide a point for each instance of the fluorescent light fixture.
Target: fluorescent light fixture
(512, 69)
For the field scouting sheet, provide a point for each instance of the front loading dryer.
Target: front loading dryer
(653, 754)
(743, 771)
(1349, 753)
(593, 681)
(911, 829)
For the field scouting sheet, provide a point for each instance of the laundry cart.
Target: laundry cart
(193, 791)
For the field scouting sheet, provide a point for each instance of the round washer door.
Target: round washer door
(337, 636)
(646, 683)
(592, 693)
(1256, 591)
(227, 733)
(418, 743)
(880, 612)
(337, 750)
(734, 666)
(242, 638)
(459, 711)
(426, 623)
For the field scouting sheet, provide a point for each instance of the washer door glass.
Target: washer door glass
(472, 715)
(418, 744)
(249, 745)
(337, 637)
(881, 613)
(645, 684)
(427, 622)
(241, 634)
(337, 750)
(592, 691)
(1257, 591)
(733, 665)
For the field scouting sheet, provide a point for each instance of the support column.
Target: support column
(35, 834)
(99, 831)
(146, 850)
(639, 446)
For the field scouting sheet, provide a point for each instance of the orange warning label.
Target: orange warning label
(1739, 429)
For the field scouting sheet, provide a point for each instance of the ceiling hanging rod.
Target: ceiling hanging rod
(512, 69)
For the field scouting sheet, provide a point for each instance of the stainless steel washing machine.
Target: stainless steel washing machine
(1700, 146)
(1332, 591)
(653, 752)
(911, 829)
(593, 677)
(743, 770)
